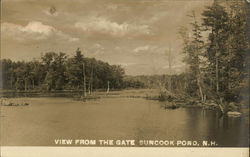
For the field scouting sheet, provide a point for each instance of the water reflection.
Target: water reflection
(210, 125)
(116, 118)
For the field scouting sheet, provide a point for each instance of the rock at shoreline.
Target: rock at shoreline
(13, 102)
(233, 114)
(171, 106)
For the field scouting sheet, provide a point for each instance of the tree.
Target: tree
(237, 49)
(215, 21)
(49, 68)
(76, 71)
(60, 67)
(170, 60)
(194, 50)
(227, 46)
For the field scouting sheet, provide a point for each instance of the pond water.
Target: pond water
(50, 118)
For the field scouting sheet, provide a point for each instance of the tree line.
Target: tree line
(156, 81)
(57, 71)
(217, 52)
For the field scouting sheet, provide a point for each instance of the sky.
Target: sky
(136, 34)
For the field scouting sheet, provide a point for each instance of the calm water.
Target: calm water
(47, 119)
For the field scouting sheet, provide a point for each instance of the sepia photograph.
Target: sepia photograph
(125, 73)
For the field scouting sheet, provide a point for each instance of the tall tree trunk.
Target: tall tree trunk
(169, 84)
(33, 84)
(91, 80)
(25, 84)
(170, 69)
(84, 80)
(199, 81)
(11, 82)
(200, 88)
(108, 88)
(217, 68)
(89, 87)
(229, 48)
(16, 84)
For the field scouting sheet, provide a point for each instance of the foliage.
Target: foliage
(57, 71)
(219, 60)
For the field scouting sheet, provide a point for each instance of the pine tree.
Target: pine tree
(215, 22)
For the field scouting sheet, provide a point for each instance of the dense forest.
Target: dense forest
(217, 51)
(57, 71)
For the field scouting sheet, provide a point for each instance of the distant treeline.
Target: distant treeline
(57, 71)
(170, 82)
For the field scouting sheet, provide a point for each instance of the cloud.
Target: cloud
(37, 27)
(112, 7)
(34, 30)
(97, 49)
(149, 49)
(127, 64)
(103, 25)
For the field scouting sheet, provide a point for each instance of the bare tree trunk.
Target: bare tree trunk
(108, 88)
(199, 83)
(84, 80)
(33, 84)
(217, 64)
(170, 69)
(169, 84)
(16, 84)
(89, 87)
(200, 88)
(11, 82)
(217, 72)
(91, 80)
(25, 84)
(229, 54)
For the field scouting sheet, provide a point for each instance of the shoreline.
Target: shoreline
(149, 94)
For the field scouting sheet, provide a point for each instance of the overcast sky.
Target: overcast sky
(133, 33)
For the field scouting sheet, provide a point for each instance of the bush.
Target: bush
(164, 97)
